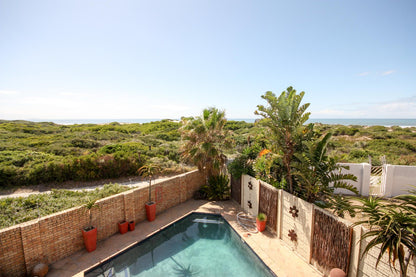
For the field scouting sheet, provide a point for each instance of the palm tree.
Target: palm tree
(89, 205)
(285, 116)
(149, 170)
(392, 226)
(318, 175)
(204, 140)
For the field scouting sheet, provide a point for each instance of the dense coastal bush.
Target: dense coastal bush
(33, 153)
(355, 146)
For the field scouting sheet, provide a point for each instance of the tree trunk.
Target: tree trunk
(289, 177)
(150, 190)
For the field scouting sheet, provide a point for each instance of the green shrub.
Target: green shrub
(357, 153)
(22, 209)
(345, 130)
(218, 188)
(84, 143)
(261, 217)
(243, 164)
(237, 125)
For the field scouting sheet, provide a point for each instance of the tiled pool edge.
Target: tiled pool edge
(276, 247)
(176, 221)
(137, 242)
(80, 262)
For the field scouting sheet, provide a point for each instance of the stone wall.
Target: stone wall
(57, 236)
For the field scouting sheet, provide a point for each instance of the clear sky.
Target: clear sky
(167, 59)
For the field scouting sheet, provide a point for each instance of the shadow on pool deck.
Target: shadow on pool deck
(280, 259)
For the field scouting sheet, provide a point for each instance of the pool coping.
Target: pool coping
(281, 260)
(136, 244)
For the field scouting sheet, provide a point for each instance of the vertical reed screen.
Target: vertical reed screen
(331, 242)
(268, 204)
(236, 189)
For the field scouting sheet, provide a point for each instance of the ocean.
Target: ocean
(402, 122)
(388, 122)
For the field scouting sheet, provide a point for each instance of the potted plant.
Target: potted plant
(261, 220)
(132, 225)
(123, 227)
(89, 233)
(149, 171)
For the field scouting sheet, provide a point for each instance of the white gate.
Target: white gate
(378, 179)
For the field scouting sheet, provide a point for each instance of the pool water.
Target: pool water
(197, 245)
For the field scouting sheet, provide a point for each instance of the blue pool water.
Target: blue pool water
(197, 245)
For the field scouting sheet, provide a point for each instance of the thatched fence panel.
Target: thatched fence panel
(331, 242)
(268, 204)
(236, 189)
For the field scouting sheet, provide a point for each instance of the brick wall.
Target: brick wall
(12, 259)
(56, 236)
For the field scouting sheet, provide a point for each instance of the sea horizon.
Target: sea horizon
(387, 122)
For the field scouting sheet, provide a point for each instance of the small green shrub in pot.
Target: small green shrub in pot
(261, 222)
(261, 217)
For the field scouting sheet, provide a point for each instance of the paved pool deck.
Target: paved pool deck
(274, 252)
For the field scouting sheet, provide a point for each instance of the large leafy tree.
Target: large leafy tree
(392, 228)
(204, 141)
(285, 117)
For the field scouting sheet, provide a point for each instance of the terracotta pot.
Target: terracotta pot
(90, 239)
(40, 270)
(261, 225)
(132, 225)
(123, 227)
(336, 272)
(151, 211)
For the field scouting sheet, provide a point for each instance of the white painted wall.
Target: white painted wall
(362, 172)
(251, 195)
(360, 266)
(399, 179)
(302, 224)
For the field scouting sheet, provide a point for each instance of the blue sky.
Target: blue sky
(167, 59)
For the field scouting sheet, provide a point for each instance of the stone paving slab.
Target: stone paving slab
(280, 259)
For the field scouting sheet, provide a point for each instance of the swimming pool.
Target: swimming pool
(197, 245)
